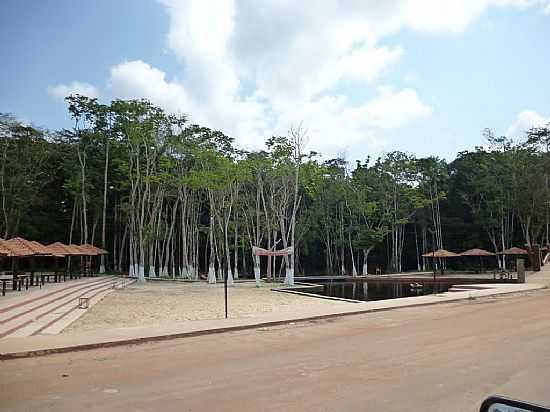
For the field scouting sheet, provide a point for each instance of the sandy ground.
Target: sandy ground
(155, 303)
(431, 359)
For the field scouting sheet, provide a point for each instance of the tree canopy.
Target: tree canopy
(169, 198)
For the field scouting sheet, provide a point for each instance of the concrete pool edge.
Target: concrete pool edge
(14, 348)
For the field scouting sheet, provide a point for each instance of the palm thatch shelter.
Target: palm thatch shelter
(63, 250)
(60, 249)
(22, 248)
(477, 252)
(480, 253)
(86, 254)
(19, 247)
(441, 255)
(514, 251)
(93, 249)
(4, 250)
(81, 251)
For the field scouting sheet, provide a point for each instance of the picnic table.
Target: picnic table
(16, 279)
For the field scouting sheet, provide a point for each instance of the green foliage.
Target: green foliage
(498, 191)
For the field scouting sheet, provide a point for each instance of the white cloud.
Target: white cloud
(525, 120)
(60, 91)
(333, 123)
(392, 109)
(253, 68)
(136, 79)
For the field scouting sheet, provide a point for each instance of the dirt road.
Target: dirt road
(437, 358)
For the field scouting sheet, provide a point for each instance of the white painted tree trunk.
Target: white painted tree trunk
(152, 272)
(366, 253)
(211, 274)
(257, 271)
(289, 277)
(141, 274)
(102, 265)
(131, 271)
(230, 280)
(236, 251)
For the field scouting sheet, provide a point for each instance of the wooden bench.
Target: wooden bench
(503, 275)
(5, 279)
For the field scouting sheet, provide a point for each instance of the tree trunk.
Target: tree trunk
(211, 271)
(236, 252)
(104, 223)
(366, 253)
(82, 161)
(353, 268)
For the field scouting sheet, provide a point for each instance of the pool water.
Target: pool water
(369, 291)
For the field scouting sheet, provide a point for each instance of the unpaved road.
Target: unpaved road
(437, 358)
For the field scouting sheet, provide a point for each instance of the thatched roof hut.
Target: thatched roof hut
(93, 249)
(440, 253)
(514, 251)
(477, 252)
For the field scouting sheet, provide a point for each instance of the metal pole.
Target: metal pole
(225, 292)
(433, 263)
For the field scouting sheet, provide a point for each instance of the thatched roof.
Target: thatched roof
(477, 252)
(514, 251)
(4, 249)
(19, 247)
(440, 253)
(37, 247)
(81, 251)
(61, 249)
(46, 250)
(93, 249)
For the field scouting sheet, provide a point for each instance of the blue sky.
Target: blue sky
(423, 76)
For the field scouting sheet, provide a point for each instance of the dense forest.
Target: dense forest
(170, 198)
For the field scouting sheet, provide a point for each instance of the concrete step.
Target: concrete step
(57, 316)
(8, 303)
(68, 317)
(40, 300)
(31, 313)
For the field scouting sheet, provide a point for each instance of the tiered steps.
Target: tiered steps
(50, 311)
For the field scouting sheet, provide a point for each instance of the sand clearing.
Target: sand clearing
(155, 303)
